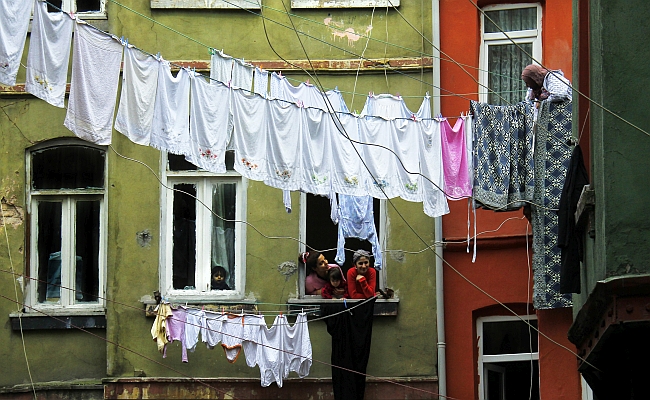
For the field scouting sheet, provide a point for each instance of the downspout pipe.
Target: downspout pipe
(440, 292)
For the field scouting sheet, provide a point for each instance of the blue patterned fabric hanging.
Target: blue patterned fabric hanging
(552, 157)
(503, 155)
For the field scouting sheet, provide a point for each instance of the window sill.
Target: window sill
(214, 304)
(383, 307)
(63, 319)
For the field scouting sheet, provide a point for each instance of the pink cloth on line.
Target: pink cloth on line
(454, 160)
(176, 331)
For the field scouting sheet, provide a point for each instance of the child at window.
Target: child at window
(219, 275)
(361, 278)
(337, 287)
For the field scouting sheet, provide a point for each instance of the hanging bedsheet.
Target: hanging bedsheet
(503, 157)
(552, 157)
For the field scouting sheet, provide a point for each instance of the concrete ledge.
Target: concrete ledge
(249, 388)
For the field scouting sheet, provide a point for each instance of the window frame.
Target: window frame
(343, 3)
(495, 358)
(71, 6)
(203, 179)
(231, 4)
(68, 197)
(302, 236)
(533, 36)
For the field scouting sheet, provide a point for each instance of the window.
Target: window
(201, 232)
(318, 230)
(343, 3)
(67, 203)
(501, 61)
(508, 358)
(233, 4)
(84, 8)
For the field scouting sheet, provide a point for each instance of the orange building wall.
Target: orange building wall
(501, 267)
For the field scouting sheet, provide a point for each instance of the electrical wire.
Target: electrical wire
(20, 320)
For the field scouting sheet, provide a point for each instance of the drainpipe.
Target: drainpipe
(440, 298)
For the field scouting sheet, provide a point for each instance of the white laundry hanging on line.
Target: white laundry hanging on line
(249, 137)
(195, 323)
(221, 67)
(171, 121)
(139, 84)
(432, 179)
(241, 333)
(96, 63)
(316, 160)
(389, 107)
(14, 21)
(210, 124)
(261, 82)
(285, 134)
(406, 145)
(48, 55)
(242, 75)
(347, 171)
(284, 349)
(211, 329)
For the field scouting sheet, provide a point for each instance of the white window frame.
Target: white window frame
(302, 236)
(533, 36)
(484, 359)
(214, 4)
(71, 6)
(68, 197)
(203, 181)
(343, 3)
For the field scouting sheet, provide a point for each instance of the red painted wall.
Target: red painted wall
(502, 264)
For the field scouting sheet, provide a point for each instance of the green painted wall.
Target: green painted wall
(52, 355)
(402, 345)
(619, 151)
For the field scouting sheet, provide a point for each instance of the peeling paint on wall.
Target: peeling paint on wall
(12, 214)
(339, 31)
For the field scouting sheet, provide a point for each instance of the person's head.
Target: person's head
(315, 263)
(335, 276)
(533, 75)
(219, 275)
(361, 261)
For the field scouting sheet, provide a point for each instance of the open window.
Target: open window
(67, 202)
(202, 236)
(320, 233)
(508, 357)
(83, 8)
(501, 60)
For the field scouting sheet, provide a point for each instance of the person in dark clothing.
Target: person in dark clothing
(351, 337)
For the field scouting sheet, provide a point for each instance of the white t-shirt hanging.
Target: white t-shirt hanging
(242, 75)
(49, 54)
(96, 63)
(171, 117)
(221, 68)
(14, 21)
(210, 124)
(139, 83)
(434, 199)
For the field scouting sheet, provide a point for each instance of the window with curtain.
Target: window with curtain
(203, 240)
(67, 213)
(511, 38)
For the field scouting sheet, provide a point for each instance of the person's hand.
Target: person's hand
(339, 291)
(359, 277)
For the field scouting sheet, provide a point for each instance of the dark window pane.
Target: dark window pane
(179, 163)
(223, 232)
(505, 63)
(49, 251)
(87, 248)
(88, 5)
(512, 380)
(509, 337)
(323, 234)
(517, 19)
(184, 236)
(68, 167)
(54, 5)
